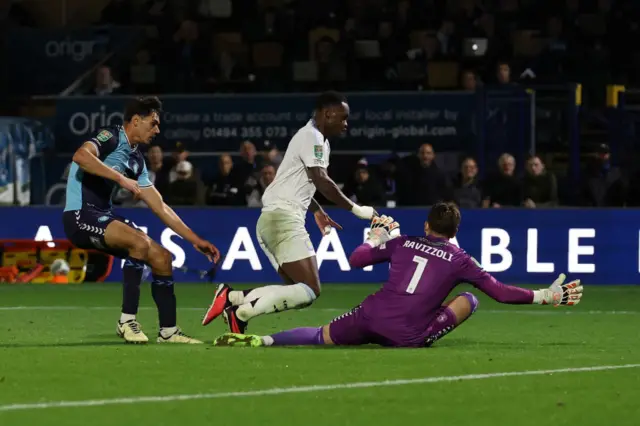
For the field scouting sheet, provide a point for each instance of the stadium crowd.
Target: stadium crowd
(391, 182)
(207, 46)
(211, 46)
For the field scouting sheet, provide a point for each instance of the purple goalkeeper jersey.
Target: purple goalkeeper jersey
(423, 271)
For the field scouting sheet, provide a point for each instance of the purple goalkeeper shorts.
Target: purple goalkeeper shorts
(353, 328)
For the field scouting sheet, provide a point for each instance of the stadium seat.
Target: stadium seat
(416, 37)
(527, 43)
(226, 41)
(410, 71)
(442, 75)
(267, 55)
(305, 71)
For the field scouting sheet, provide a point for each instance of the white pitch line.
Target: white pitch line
(540, 311)
(299, 389)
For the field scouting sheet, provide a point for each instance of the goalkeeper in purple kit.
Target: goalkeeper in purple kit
(410, 309)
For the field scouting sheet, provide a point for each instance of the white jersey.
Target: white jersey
(292, 189)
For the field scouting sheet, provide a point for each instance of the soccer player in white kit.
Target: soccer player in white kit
(280, 228)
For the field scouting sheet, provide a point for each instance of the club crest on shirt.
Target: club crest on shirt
(318, 151)
(104, 136)
(135, 168)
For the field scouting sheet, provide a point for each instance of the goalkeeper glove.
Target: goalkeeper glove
(383, 229)
(559, 294)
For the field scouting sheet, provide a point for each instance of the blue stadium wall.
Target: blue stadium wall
(601, 247)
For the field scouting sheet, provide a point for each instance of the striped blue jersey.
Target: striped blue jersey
(114, 150)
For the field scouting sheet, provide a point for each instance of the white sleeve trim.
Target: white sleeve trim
(96, 145)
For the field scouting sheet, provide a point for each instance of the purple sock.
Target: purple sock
(473, 301)
(299, 337)
(446, 321)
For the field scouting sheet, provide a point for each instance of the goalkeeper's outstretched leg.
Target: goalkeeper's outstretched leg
(352, 329)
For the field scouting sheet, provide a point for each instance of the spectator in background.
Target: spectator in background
(540, 188)
(105, 83)
(188, 51)
(223, 68)
(429, 50)
(466, 190)
(267, 175)
(503, 74)
(423, 183)
(469, 81)
(248, 164)
(331, 67)
(388, 174)
(503, 189)
(553, 58)
(159, 169)
(389, 45)
(365, 189)
(271, 154)
(179, 154)
(448, 42)
(267, 27)
(142, 73)
(227, 189)
(602, 184)
(186, 190)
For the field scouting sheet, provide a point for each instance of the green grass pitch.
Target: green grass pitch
(58, 346)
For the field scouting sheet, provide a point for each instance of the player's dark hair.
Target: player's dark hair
(329, 99)
(444, 219)
(142, 106)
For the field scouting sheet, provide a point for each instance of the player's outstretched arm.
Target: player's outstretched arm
(380, 243)
(558, 294)
(153, 199)
(330, 190)
(86, 157)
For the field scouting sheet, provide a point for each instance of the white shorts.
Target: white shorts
(283, 237)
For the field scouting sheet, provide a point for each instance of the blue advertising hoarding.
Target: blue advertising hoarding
(378, 121)
(46, 61)
(518, 246)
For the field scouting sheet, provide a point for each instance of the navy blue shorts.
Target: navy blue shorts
(85, 229)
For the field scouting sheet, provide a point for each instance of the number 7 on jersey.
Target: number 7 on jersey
(415, 278)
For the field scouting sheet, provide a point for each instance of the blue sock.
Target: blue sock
(165, 298)
(132, 277)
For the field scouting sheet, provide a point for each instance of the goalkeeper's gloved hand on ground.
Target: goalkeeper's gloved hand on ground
(559, 294)
(383, 229)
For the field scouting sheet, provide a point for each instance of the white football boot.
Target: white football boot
(131, 332)
(178, 337)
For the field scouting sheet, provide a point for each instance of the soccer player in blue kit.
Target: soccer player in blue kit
(103, 164)
(410, 309)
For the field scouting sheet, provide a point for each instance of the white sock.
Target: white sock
(238, 298)
(267, 340)
(126, 317)
(276, 298)
(167, 331)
